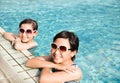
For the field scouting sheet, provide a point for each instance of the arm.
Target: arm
(60, 76)
(40, 62)
(66, 73)
(44, 73)
(9, 36)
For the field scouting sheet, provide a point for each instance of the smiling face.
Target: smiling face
(60, 56)
(26, 33)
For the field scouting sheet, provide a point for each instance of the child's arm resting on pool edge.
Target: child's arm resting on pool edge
(9, 36)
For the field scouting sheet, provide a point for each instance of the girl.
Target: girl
(59, 66)
(25, 39)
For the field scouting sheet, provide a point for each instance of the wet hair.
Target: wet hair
(73, 40)
(30, 21)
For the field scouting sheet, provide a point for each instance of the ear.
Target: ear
(35, 33)
(73, 53)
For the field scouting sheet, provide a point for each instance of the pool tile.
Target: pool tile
(12, 62)
(17, 55)
(11, 50)
(18, 69)
(27, 54)
(36, 79)
(7, 57)
(23, 75)
(21, 60)
(29, 81)
(4, 81)
(32, 74)
(24, 67)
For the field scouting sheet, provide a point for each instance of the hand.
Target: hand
(13, 42)
(17, 39)
(65, 68)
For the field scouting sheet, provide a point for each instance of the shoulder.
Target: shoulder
(77, 71)
(35, 43)
(75, 65)
(32, 44)
(72, 74)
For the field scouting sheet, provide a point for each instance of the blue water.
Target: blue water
(96, 22)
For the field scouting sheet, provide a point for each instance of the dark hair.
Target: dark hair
(73, 40)
(30, 21)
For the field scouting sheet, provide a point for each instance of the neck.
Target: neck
(70, 62)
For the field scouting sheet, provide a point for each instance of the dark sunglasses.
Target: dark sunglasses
(61, 48)
(28, 31)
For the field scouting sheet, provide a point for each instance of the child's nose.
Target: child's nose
(24, 33)
(57, 51)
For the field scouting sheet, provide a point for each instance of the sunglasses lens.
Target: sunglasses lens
(63, 48)
(53, 46)
(29, 31)
(22, 30)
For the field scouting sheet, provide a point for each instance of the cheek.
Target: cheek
(30, 35)
(67, 55)
(20, 35)
(52, 51)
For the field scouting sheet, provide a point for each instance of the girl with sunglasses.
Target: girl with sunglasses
(25, 39)
(59, 66)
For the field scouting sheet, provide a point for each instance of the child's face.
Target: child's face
(26, 33)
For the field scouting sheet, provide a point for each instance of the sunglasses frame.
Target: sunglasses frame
(28, 31)
(61, 48)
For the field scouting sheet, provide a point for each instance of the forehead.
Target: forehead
(26, 26)
(62, 42)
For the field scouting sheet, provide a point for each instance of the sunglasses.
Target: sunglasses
(28, 31)
(61, 48)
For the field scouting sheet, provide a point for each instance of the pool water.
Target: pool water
(96, 22)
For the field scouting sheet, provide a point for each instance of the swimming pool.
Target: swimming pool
(96, 22)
